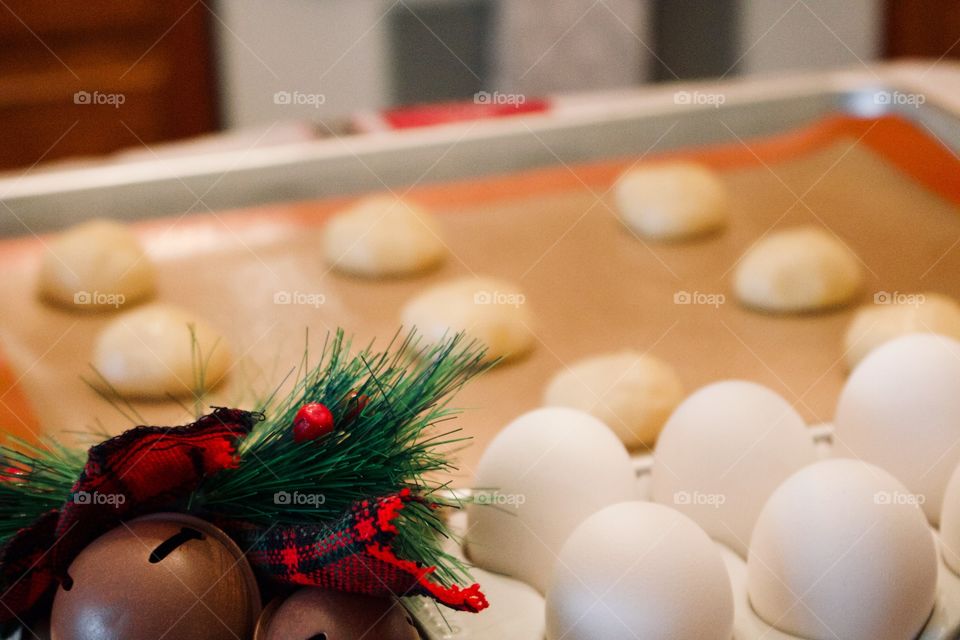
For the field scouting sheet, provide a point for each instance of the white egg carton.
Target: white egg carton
(517, 611)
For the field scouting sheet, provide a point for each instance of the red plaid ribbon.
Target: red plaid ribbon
(150, 469)
(143, 470)
(352, 554)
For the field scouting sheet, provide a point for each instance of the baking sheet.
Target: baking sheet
(883, 186)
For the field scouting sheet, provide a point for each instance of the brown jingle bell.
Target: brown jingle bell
(166, 575)
(318, 614)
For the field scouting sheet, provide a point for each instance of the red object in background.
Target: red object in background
(484, 106)
(312, 421)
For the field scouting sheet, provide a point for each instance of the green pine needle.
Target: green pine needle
(34, 479)
(398, 440)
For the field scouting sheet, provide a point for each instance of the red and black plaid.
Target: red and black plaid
(150, 469)
(143, 470)
(353, 554)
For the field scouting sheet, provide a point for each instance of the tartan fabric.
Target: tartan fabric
(353, 555)
(143, 470)
(25, 556)
(150, 469)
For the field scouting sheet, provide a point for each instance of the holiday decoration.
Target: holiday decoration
(354, 512)
(163, 575)
(334, 615)
(312, 421)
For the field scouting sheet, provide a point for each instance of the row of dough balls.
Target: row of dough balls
(793, 270)
(153, 352)
(101, 265)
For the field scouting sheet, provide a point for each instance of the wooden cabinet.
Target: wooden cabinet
(924, 28)
(86, 78)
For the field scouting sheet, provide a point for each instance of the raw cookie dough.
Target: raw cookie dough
(893, 315)
(94, 266)
(672, 200)
(490, 310)
(149, 353)
(631, 393)
(797, 270)
(382, 236)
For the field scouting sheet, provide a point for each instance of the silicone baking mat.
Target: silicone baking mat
(885, 187)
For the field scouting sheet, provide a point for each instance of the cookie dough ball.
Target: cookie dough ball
(381, 237)
(492, 311)
(672, 200)
(631, 393)
(797, 270)
(893, 316)
(97, 265)
(151, 353)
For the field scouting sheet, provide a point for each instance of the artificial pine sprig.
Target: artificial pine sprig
(389, 409)
(33, 480)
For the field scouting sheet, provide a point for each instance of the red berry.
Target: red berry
(312, 421)
(12, 474)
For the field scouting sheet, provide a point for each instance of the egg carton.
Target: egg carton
(517, 611)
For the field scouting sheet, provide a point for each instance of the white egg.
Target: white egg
(900, 410)
(950, 523)
(723, 452)
(842, 550)
(542, 475)
(639, 570)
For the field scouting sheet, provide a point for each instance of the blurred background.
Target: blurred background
(82, 79)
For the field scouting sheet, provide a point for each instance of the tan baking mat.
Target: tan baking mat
(591, 284)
